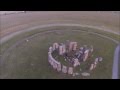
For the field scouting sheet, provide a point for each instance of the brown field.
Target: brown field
(14, 22)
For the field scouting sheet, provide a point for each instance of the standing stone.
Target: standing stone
(91, 67)
(86, 53)
(63, 49)
(64, 69)
(50, 49)
(96, 61)
(59, 67)
(70, 70)
(55, 46)
(70, 46)
(51, 63)
(49, 53)
(67, 44)
(81, 48)
(91, 49)
(100, 59)
(60, 50)
(54, 65)
(95, 65)
(74, 46)
(49, 60)
(49, 57)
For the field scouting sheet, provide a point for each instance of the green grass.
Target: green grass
(29, 59)
(6, 45)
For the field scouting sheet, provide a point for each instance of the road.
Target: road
(115, 70)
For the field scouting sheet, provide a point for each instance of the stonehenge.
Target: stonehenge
(73, 54)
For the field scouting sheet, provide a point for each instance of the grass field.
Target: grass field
(29, 59)
(27, 34)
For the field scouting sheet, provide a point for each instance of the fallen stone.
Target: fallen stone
(100, 59)
(27, 40)
(85, 74)
(76, 73)
(73, 74)
(80, 69)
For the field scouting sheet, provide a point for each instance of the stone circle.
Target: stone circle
(74, 55)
